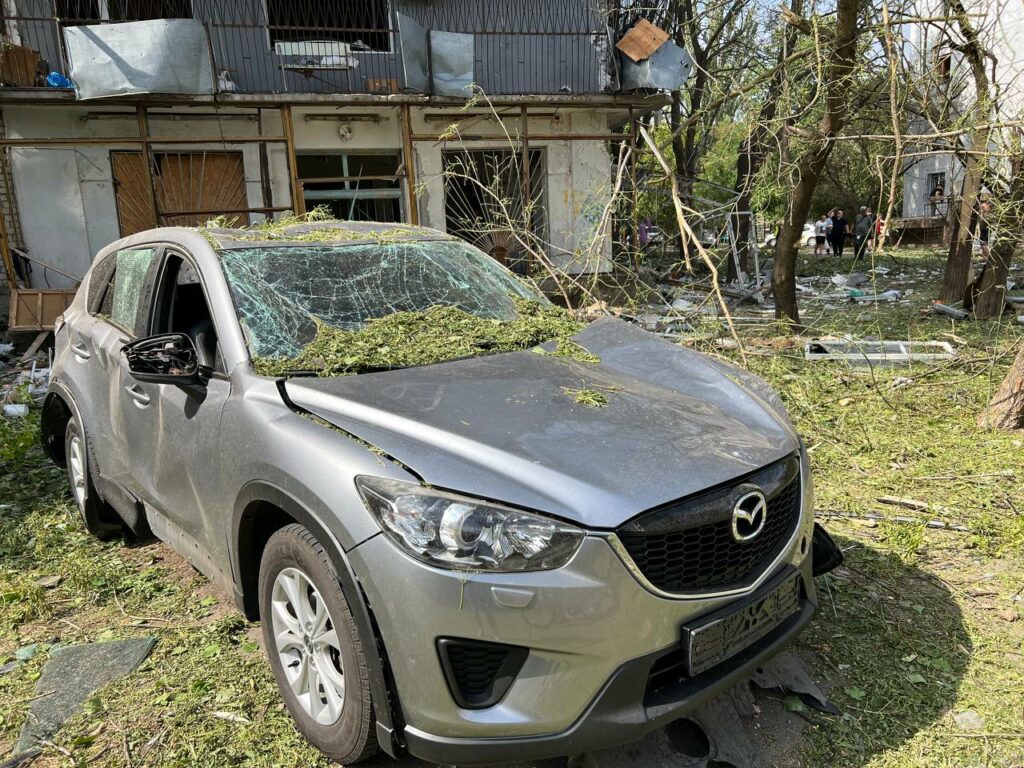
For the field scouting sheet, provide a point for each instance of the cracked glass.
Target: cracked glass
(281, 291)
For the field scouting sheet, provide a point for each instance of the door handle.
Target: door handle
(136, 394)
(81, 350)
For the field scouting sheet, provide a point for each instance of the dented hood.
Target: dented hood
(502, 427)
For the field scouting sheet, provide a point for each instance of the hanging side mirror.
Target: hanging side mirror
(169, 358)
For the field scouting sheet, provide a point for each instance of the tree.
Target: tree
(1006, 411)
(958, 263)
(839, 54)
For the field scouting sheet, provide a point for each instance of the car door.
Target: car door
(96, 346)
(173, 431)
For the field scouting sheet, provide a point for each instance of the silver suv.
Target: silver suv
(539, 548)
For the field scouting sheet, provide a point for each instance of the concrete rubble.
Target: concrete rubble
(69, 677)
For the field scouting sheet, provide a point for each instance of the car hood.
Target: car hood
(503, 427)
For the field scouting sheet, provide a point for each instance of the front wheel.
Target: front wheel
(99, 517)
(314, 646)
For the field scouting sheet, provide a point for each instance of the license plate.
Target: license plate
(724, 636)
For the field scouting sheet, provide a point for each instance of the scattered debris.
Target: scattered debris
(901, 501)
(49, 582)
(589, 397)
(954, 312)
(1009, 614)
(16, 410)
(231, 717)
(69, 676)
(859, 352)
(969, 720)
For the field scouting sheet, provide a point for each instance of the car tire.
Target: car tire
(99, 517)
(810, 241)
(303, 609)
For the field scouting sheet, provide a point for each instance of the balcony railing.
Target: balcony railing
(346, 46)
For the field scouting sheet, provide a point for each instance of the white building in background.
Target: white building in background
(946, 90)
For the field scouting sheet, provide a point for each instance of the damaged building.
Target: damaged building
(123, 115)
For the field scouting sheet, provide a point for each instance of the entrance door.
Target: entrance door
(191, 187)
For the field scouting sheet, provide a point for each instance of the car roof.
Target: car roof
(327, 232)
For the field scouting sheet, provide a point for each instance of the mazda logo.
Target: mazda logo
(749, 516)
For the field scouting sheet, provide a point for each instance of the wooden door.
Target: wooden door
(191, 188)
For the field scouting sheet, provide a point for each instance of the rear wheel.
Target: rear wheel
(314, 647)
(99, 517)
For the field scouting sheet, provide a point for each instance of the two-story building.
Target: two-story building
(121, 115)
(944, 94)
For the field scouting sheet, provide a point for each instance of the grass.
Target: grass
(914, 630)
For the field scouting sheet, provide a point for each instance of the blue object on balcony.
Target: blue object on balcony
(57, 80)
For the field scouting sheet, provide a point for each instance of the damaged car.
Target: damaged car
(474, 528)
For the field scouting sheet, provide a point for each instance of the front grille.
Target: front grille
(689, 547)
(478, 673)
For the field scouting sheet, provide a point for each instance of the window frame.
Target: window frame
(146, 290)
(103, 10)
(389, 32)
(346, 192)
(154, 300)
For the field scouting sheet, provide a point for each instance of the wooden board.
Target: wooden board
(185, 182)
(642, 40)
(33, 310)
(18, 65)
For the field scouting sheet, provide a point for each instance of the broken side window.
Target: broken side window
(129, 277)
(281, 291)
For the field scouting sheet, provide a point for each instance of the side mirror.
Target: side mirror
(169, 358)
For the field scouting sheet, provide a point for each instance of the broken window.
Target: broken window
(362, 24)
(484, 201)
(129, 277)
(357, 187)
(75, 12)
(280, 292)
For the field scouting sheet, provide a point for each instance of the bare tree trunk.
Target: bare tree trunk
(958, 263)
(752, 154)
(839, 62)
(1006, 411)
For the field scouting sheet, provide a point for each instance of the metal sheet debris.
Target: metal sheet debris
(169, 56)
(413, 41)
(451, 61)
(667, 68)
(859, 352)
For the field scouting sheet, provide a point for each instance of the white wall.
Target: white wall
(67, 203)
(66, 195)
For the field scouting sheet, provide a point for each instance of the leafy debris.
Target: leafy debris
(590, 397)
(437, 334)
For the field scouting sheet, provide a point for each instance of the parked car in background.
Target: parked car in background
(806, 237)
(466, 559)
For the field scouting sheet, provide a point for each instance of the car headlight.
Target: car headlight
(458, 532)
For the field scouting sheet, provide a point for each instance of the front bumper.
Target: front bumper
(624, 709)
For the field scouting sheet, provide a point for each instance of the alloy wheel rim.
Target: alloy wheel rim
(306, 643)
(77, 463)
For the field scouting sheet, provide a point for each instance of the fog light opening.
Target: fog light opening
(687, 737)
(803, 545)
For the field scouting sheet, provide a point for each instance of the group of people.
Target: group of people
(832, 229)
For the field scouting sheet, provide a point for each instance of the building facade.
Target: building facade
(121, 115)
(944, 95)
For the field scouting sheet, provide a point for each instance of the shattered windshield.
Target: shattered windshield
(334, 309)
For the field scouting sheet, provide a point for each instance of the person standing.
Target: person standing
(829, 221)
(862, 231)
(840, 229)
(819, 235)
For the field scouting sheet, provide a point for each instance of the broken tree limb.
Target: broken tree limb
(687, 232)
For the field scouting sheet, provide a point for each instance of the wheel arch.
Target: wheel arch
(260, 510)
(58, 408)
